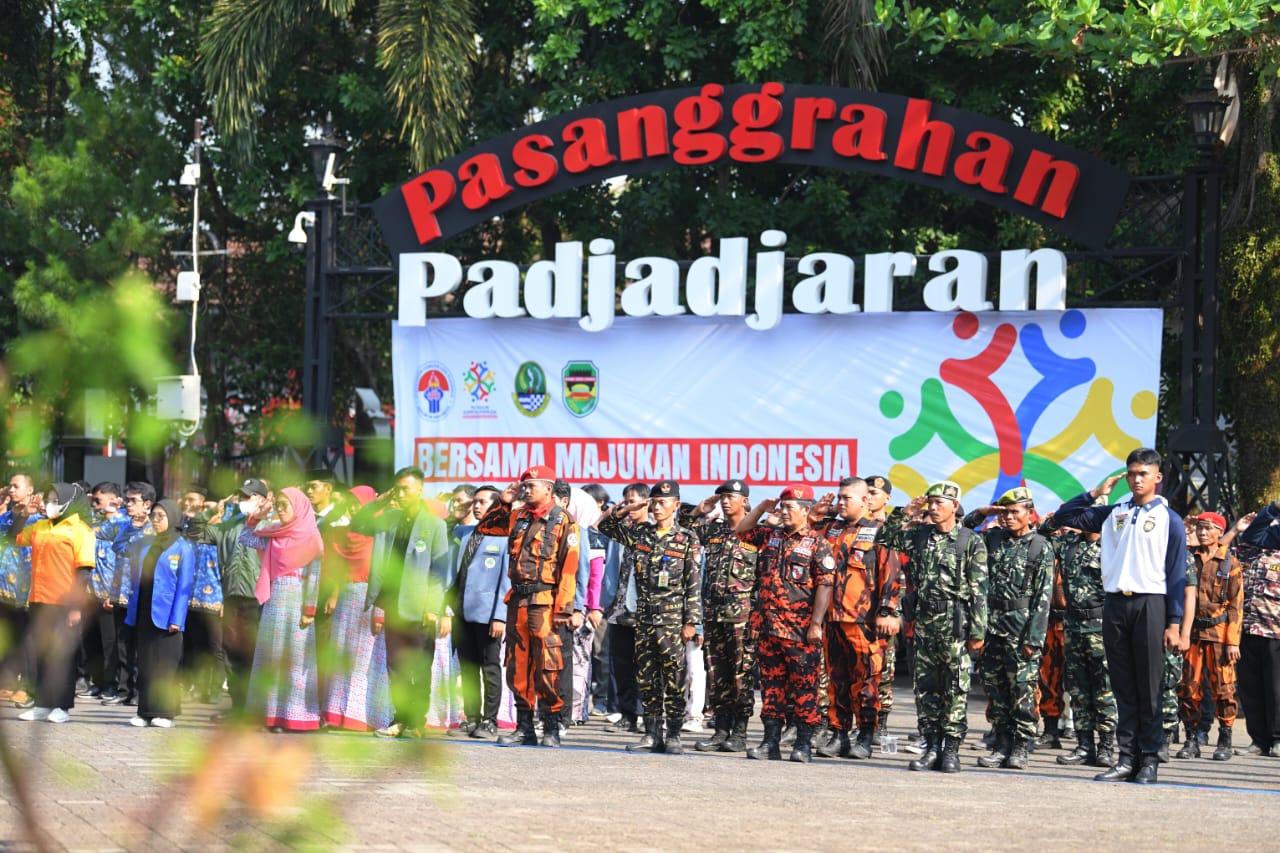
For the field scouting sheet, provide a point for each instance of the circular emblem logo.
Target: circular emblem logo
(435, 391)
(530, 389)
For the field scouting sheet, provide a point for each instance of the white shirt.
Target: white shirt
(1135, 541)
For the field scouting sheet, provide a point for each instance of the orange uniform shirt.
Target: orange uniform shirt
(57, 551)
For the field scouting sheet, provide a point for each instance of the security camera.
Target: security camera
(301, 222)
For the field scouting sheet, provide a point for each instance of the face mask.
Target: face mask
(52, 510)
(247, 507)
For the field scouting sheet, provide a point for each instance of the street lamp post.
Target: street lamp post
(317, 380)
(1198, 446)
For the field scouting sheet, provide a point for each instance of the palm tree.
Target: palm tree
(858, 41)
(424, 46)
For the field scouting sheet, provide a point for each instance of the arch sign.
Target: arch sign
(999, 384)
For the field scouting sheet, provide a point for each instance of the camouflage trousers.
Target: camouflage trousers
(1010, 679)
(1169, 679)
(1206, 658)
(942, 685)
(731, 661)
(1089, 682)
(1050, 691)
(789, 679)
(853, 675)
(887, 671)
(660, 666)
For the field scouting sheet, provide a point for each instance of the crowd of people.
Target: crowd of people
(1121, 624)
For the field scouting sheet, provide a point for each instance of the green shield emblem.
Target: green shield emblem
(581, 387)
(530, 389)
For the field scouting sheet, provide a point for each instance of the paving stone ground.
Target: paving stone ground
(100, 784)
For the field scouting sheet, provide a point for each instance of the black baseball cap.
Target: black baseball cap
(253, 487)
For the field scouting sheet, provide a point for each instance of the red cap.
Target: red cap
(539, 472)
(1215, 519)
(796, 493)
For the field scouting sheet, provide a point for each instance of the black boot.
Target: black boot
(712, 743)
(672, 745)
(1163, 754)
(1106, 750)
(1084, 753)
(949, 761)
(999, 751)
(861, 749)
(928, 760)
(837, 747)
(1050, 739)
(651, 740)
(1017, 759)
(1190, 747)
(788, 735)
(769, 748)
(1121, 771)
(737, 740)
(801, 751)
(524, 735)
(882, 726)
(1223, 751)
(1148, 773)
(551, 730)
(627, 723)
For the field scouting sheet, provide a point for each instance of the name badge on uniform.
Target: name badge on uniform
(174, 560)
(1120, 519)
(774, 542)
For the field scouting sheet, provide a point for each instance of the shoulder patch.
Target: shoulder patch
(572, 540)
(828, 563)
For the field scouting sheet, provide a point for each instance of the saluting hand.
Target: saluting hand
(707, 504)
(1243, 524)
(1107, 485)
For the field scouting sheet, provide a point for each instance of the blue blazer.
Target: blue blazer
(171, 589)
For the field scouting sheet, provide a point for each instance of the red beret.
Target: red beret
(1215, 519)
(796, 493)
(539, 472)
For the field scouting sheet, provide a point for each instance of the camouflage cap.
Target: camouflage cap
(733, 487)
(944, 489)
(665, 489)
(1019, 495)
(881, 482)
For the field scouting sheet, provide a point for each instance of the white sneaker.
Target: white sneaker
(693, 727)
(138, 722)
(162, 722)
(58, 715)
(36, 713)
(614, 717)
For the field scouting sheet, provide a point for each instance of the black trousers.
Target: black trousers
(17, 648)
(55, 643)
(126, 659)
(411, 649)
(600, 669)
(1258, 687)
(97, 644)
(1133, 635)
(623, 686)
(203, 659)
(480, 657)
(240, 617)
(158, 655)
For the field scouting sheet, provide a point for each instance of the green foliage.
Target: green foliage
(1105, 35)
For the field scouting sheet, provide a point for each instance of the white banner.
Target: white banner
(1055, 400)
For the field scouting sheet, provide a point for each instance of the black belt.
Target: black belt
(1010, 603)
(1201, 624)
(1085, 613)
(523, 590)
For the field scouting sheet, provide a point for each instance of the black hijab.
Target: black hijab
(74, 502)
(174, 514)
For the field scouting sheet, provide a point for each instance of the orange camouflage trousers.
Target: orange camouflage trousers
(789, 679)
(1205, 658)
(535, 656)
(1051, 700)
(853, 676)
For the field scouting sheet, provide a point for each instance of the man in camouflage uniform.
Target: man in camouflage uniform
(864, 593)
(1019, 587)
(727, 580)
(1084, 658)
(667, 570)
(1171, 674)
(878, 491)
(793, 592)
(1215, 641)
(1258, 672)
(948, 567)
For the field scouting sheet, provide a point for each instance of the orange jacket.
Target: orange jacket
(1219, 597)
(535, 562)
